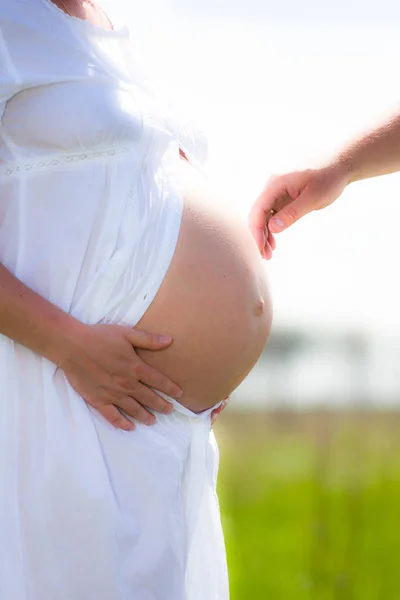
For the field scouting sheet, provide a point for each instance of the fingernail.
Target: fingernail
(164, 338)
(129, 427)
(150, 421)
(277, 223)
(179, 394)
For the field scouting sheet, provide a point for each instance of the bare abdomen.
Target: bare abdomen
(214, 301)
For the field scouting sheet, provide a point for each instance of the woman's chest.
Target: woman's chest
(74, 115)
(80, 115)
(94, 98)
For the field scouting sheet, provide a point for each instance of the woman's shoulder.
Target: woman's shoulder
(15, 17)
(29, 21)
(22, 11)
(23, 22)
(35, 46)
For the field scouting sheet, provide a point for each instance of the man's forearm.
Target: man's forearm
(31, 320)
(375, 153)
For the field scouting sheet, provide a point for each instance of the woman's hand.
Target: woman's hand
(287, 198)
(106, 371)
(218, 410)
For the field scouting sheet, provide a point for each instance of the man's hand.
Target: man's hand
(287, 198)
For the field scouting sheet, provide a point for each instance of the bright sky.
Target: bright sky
(275, 85)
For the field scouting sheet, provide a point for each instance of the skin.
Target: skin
(100, 361)
(294, 195)
(86, 10)
(214, 296)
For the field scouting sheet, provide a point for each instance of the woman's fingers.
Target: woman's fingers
(135, 409)
(115, 417)
(149, 398)
(147, 341)
(146, 374)
(109, 375)
(218, 410)
(153, 378)
(144, 397)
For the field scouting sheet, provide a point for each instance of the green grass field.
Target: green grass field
(311, 504)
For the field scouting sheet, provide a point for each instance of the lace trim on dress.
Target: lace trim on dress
(50, 162)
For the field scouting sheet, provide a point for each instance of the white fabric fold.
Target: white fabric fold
(89, 218)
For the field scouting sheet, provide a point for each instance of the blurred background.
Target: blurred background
(310, 445)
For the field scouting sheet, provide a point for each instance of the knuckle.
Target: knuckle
(153, 379)
(155, 402)
(133, 385)
(170, 387)
(95, 402)
(147, 337)
(140, 413)
(122, 385)
(156, 379)
(98, 401)
(136, 369)
(153, 339)
(115, 419)
(134, 408)
(291, 213)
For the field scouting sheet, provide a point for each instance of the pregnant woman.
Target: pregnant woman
(110, 235)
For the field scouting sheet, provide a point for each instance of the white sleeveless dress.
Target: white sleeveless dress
(89, 218)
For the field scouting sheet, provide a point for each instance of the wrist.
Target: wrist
(342, 167)
(348, 167)
(62, 341)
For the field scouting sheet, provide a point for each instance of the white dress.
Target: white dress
(89, 218)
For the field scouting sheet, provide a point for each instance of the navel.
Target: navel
(260, 307)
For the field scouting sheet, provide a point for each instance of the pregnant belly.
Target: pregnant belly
(214, 300)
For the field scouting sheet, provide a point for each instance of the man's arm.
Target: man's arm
(375, 153)
(286, 198)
